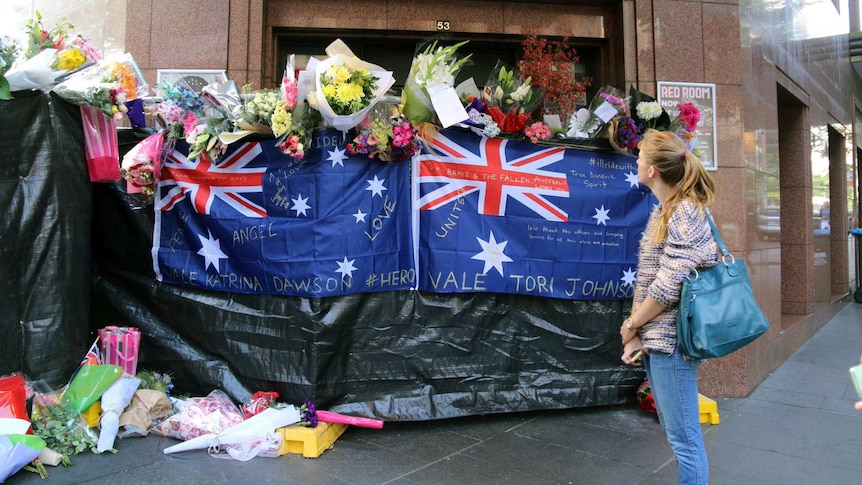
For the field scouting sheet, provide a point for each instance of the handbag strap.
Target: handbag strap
(721, 246)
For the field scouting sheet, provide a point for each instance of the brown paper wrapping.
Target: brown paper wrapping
(147, 405)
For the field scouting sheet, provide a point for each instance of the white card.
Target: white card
(447, 105)
(606, 111)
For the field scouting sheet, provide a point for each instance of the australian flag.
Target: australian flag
(260, 222)
(505, 216)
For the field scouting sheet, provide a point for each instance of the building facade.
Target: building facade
(787, 101)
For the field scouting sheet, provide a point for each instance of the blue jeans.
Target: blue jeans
(673, 380)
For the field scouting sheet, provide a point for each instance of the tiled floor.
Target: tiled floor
(797, 427)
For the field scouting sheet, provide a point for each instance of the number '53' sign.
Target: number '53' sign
(443, 25)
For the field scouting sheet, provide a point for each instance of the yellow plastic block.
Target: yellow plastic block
(92, 414)
(309, 442)
(708, 410)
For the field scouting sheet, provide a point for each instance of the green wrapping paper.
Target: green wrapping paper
(89, 384)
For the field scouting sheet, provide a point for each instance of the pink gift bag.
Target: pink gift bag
(100, 145)
(120, 347)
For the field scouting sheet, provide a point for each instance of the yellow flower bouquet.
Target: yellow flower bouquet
(346, 88)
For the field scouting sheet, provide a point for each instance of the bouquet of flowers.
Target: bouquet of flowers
(40, 38)
(49, 55)
(258, 111)
(646, 113)
(177, 102)
(8, 54)
(510, 101)
(434, 66)
(141, 165)
(479, 121)
(551, 65)
(96, 88)
(390, 139)
(589, 122)
(346, 88)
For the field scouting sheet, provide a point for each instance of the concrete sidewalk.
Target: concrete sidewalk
(797, 427)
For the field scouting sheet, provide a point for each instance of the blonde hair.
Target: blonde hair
(678, 167)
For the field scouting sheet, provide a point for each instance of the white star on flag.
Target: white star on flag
(337, 157)
(211, 251)
(360, 216)
(632, 179)
(601, 216)
(492, 254)
(376, 186)
(629, 277)
(300, 206)
(346, 268)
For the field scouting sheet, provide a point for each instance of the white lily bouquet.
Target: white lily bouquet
(347, 87)
(434, 66)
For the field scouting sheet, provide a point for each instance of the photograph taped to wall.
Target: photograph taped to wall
(671, 94)
(194, 79)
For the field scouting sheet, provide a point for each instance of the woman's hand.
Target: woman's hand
(627, 334)
(631, 348)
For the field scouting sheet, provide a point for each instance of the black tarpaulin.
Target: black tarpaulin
(396, 356)
(45, 214)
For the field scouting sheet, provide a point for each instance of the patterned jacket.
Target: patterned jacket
(663, 266)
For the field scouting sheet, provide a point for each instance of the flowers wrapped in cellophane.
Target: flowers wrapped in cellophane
(510, 100)
(645, 113)
(49, 56)
(105, 86)
(391, 139)
(142, 164)
(434, 66)
(346, 87)
(590, 122)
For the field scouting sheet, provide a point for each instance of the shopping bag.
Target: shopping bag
(101, 146)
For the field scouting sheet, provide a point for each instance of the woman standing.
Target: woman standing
(677, 239)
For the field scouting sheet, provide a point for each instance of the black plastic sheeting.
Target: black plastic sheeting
(45, 214)
(395, 356)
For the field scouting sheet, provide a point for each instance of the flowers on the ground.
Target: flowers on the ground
(308, 414)
(156, 381)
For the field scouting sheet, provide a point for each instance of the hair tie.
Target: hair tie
(682, 154)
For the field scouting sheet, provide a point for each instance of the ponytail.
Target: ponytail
(679, 167)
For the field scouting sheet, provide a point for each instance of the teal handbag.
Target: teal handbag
(717, 310)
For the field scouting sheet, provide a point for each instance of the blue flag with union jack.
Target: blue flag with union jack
(260, 222)
(504, 216)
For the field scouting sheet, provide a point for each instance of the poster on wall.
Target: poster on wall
(671, 94)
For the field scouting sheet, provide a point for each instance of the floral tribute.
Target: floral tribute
(551, 65)
(510, 100)
(646, 113)
(347, 90)
(390, 140)
(433, 67)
